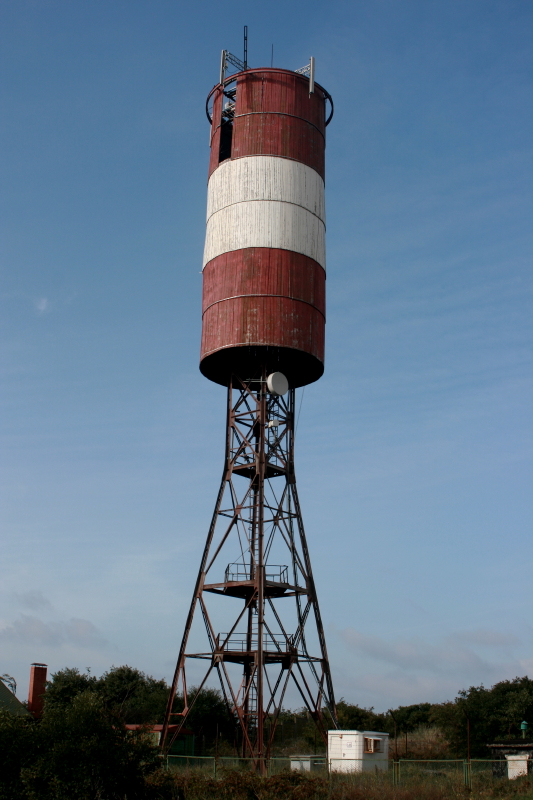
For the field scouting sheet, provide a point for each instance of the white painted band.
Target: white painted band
(265, 178)
(265, 201)
(265, 223)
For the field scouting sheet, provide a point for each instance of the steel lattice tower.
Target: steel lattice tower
(262, 337)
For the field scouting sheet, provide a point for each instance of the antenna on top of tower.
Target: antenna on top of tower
(309, 70)
(228, 58)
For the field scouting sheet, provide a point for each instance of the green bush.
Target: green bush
(76, 752)
(18, 742)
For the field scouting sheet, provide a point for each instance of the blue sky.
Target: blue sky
(413, 451)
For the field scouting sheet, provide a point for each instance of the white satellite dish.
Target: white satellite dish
(277, 384)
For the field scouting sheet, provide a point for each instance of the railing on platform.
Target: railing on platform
(275, 573)
(240, 642)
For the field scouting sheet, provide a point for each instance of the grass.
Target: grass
(246, 785)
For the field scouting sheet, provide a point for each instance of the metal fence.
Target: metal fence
(472, 774)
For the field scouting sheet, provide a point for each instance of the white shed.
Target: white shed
(357, 751)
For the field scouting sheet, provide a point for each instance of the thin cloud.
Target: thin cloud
(413, 654)
(41, 304)
(410, 670)
(31, 630)
(34, 600)
(403, 689)
(486, 638)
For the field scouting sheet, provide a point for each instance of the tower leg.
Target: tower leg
(256, 563)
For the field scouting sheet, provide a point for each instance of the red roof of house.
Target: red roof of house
(158, 728)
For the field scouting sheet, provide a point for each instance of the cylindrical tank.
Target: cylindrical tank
(264, 260)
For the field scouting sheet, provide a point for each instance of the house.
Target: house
(183, 745)
(10, 702)
(358, 751)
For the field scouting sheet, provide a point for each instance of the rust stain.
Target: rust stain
(264, 296)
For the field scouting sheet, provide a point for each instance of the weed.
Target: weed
(246, 785)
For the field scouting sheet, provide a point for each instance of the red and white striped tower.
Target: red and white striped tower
(263, 322)
(264, 260)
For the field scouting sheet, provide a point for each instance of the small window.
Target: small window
(373, 745)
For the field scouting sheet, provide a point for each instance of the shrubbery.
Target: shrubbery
(76, 751)
(81, 750)
(80, 747)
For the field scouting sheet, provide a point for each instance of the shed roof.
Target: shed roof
(10, 702)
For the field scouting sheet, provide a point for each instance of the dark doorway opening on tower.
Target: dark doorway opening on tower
(226, 127)
(226, 136)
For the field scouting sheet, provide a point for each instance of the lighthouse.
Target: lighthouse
(263, 327)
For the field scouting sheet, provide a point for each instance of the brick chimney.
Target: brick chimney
(37, 689)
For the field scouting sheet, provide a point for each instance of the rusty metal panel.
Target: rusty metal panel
(263, 321)
(264, 297)
(280, 91)
(275, 115)
(272, 134)
(264, 271)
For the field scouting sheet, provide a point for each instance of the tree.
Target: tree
(17, 749)
(83, 751)
(353, 717)
(9, 681)
(409, 718)
(209, 716)
(135, 697)
(129, 693)
(485, 715)
(512, 702)
(67, 684)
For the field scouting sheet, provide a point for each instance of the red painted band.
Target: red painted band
(281, 114)
(238, 296)
(263, 296)
(263, 321)
(274, 115)
(265, 91)
(271, 135)
(264, 270)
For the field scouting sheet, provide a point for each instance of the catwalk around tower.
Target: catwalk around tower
(263, 324)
